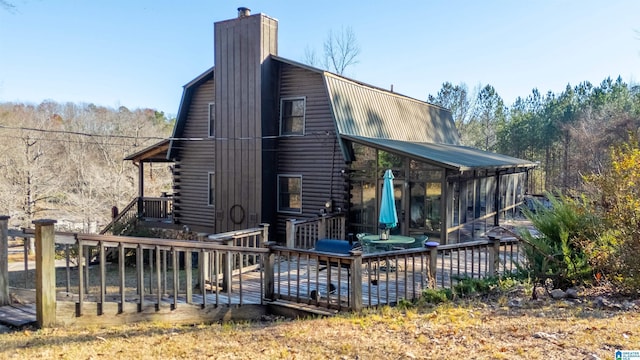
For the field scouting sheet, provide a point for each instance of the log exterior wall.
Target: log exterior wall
(196, 160)
(316, 155)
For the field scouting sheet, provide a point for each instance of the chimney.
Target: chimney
(243, 12)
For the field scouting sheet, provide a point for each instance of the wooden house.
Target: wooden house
(263, 139)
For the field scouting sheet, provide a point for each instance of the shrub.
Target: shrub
(558, 251)
(616, 198)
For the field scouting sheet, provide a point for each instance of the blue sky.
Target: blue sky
(140, 53)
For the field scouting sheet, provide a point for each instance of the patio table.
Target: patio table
(394, 240)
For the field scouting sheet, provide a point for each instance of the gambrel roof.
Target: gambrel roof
(384, 119)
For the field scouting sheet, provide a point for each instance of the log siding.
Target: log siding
(316, 155)
(196, 161)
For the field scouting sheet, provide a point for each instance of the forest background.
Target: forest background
(65, 161)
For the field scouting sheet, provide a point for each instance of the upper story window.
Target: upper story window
(212, 119)
(292, 116)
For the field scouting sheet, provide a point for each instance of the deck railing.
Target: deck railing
(150, 209)
(231, 275)
(151, 278)
(304, 233)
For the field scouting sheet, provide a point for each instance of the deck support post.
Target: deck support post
(322, 228)
(494, 255)
(290, 240)
(433, 263)
(4, 260)
(265, 233)
(356, 280)
(45, 273)
(268, 270)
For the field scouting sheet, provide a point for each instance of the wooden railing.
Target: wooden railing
(303, 233)
(476, 259)
(231, 275)
(153, 209)
(157, 208)
(151, 279)
(125, 218)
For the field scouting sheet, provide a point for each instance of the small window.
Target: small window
(212, 119)
(212, 182)
(292, 116)
(290, 193)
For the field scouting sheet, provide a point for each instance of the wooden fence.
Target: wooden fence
(235, 275)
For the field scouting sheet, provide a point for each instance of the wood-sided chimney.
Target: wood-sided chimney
(244, 98)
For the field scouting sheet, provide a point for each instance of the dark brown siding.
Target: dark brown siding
(196, 161)
(316, 155)
(241, 47)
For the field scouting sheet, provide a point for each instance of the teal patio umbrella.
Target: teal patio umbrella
(388, 218)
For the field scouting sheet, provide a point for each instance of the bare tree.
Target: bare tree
(340, 51)
(66, 160)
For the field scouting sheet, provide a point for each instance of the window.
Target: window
(290, 193)
(212, 183)
(212, 119)
(292, 116)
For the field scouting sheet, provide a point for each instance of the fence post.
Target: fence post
(433, 262)
(343, 227)
(265, 233)
(4, 260)
(494, 255)
(290, 234)
(356, 280)
(322, 228)
(45, 273)
(268, 269)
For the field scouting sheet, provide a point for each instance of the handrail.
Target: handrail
(123, 213)
(303, 233)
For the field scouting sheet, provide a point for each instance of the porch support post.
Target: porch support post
(45, 273)
(444, 215)
(4, 261)
(140, 189)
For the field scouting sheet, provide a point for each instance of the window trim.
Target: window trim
(304, 114)
(289, 210)
(211, 198)
(212, 131)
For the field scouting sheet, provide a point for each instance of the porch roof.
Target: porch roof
(449, 156)
(154, 153)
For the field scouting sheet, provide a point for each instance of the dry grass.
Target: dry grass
(545, 330)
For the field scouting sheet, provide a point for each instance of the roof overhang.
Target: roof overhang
(154, 153)
(448, 156)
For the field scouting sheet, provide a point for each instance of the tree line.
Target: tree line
(66, 160)
(569, 134)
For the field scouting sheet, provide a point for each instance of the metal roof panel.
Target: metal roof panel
(446, 155)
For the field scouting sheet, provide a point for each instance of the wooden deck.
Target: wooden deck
(299, 280)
